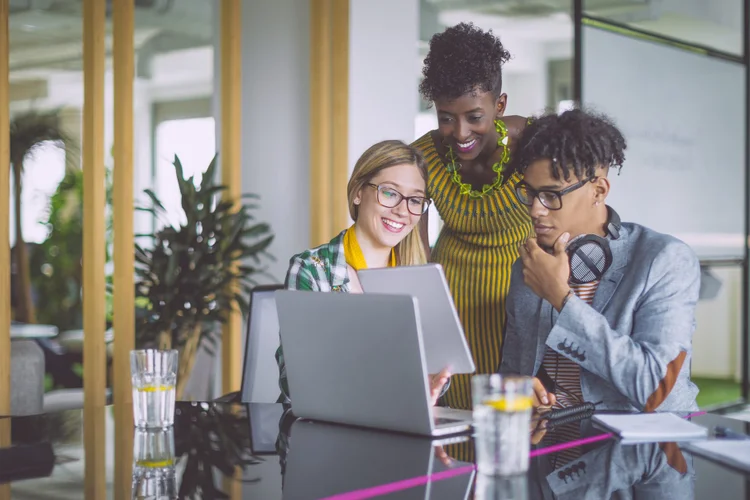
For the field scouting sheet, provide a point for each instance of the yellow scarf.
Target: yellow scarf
(353, 252)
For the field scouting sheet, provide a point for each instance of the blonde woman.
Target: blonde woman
(386, 195)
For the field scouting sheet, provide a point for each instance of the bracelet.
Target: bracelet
(567, 297)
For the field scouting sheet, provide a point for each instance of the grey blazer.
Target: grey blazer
(634, 343)
(653, 471)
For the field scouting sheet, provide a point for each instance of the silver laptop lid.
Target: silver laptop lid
(444, 340)
(355, 359)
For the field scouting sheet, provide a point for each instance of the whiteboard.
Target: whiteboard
(683, 116)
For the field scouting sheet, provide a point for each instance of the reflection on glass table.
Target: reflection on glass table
(284, 458)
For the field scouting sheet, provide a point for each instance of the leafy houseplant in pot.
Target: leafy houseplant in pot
(194, 274)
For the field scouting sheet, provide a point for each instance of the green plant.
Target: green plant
(56, 272)
(194, 274)
(28, 131)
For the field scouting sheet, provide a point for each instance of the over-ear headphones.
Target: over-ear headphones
(590, 255)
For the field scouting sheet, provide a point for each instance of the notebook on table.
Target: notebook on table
(651, 427)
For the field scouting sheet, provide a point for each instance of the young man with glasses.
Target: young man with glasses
(614, 327)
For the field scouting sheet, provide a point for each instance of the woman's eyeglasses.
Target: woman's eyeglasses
(390, 198)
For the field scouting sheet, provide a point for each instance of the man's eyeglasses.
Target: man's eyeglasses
(389, 198)
(549, 198)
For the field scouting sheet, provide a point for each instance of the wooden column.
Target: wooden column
(94, 373)
(4, 235)
(340, 118)
(123, 254)
(321, 227)
(231, 173)
(329, 118)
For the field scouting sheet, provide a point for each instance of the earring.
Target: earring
(356, 202)
(596, 203)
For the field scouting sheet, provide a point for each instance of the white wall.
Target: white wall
(275, 121)
(717, 350)
(383, 100)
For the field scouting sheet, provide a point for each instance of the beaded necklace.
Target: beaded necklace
(498, 167)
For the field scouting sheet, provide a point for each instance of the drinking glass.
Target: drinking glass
(154, 375)
(502, 416)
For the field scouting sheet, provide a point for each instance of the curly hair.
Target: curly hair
(576, 140)
(463, 59)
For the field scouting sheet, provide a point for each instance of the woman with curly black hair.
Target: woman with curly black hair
(467, 160)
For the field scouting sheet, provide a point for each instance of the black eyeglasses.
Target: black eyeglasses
(550, 199)
(389, 198)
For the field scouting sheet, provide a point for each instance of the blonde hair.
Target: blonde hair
(385, 154)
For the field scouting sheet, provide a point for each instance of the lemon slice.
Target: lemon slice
(519, 403)
(155, 388)
(151, 464)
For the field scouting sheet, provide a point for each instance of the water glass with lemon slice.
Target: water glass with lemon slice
(154, 464)
(154, 376)
(502, 415)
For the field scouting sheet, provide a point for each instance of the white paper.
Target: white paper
(743, 414)
(652, 427)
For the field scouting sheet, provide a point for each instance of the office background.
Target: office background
(322, 80)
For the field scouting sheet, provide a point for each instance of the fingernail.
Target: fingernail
(565, 237)
(545, 400)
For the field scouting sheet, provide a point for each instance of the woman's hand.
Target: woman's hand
(437, 382)
(443, 456)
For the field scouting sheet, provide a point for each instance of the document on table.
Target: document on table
(732, 452)
(651, 427)
(741, 414)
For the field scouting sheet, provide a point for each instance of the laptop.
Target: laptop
(329, 460)
(444, 340)
(359, 359)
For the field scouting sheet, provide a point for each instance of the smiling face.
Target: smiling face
(468, 123)
(582, 209)
(385, 227)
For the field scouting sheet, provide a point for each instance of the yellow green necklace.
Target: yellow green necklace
(454, 167)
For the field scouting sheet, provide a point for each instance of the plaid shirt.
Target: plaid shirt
(321, 269)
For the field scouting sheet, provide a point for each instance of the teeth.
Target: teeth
(394, 225)
(465, 145)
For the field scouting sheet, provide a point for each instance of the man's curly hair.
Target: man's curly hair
(463, 59)
(576, 141)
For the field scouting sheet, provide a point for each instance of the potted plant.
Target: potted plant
(194, 274)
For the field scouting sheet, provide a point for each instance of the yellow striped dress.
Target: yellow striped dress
(476, 247)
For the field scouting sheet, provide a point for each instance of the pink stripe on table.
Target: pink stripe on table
(405, 484)
(569, 444)
(696, 414)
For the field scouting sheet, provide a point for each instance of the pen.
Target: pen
(725, 432)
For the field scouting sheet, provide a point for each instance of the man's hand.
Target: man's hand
(547, 274)
(541, 399)
(436, 384)
(538, 428)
